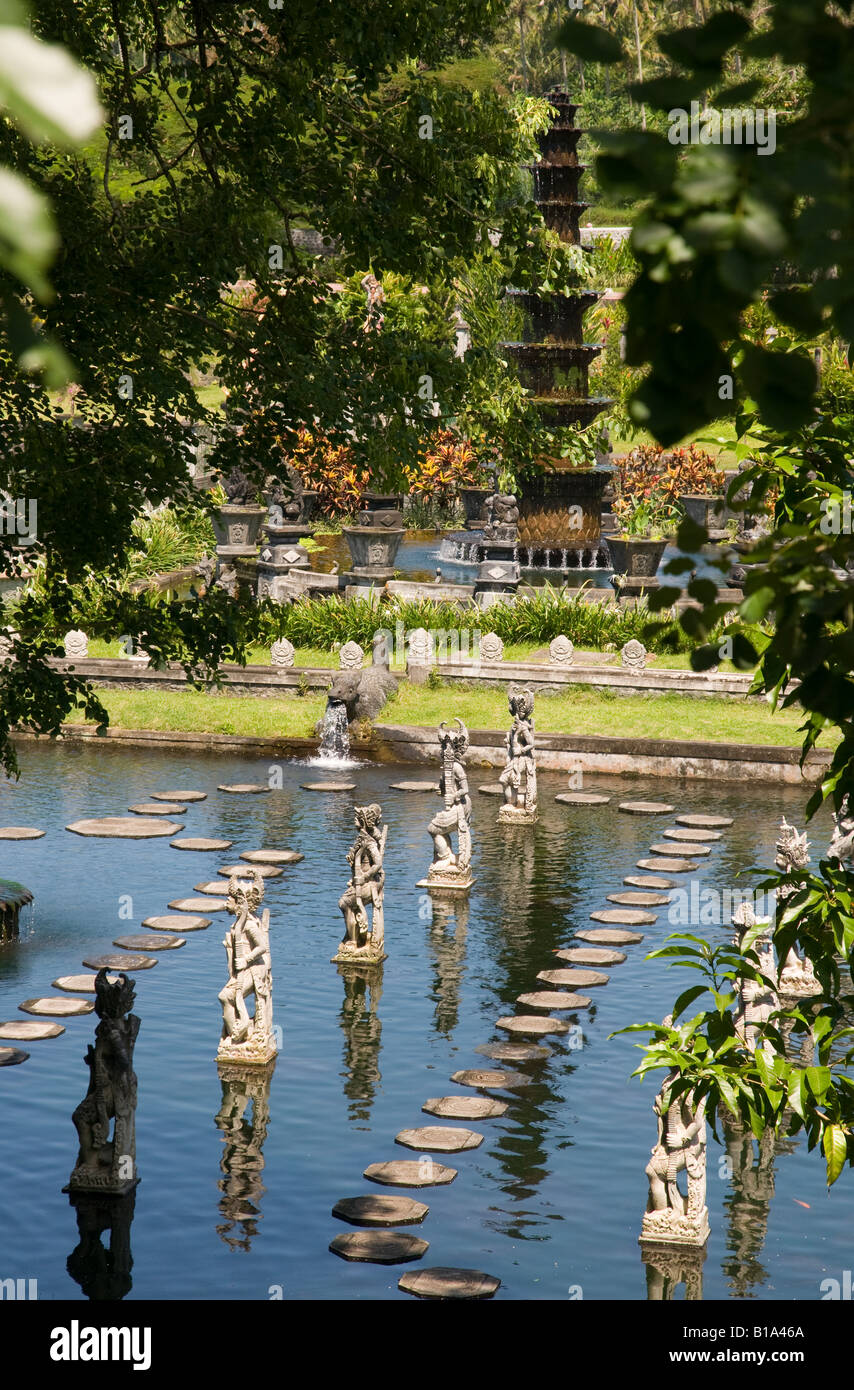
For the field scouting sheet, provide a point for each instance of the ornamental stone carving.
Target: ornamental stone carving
(282, 652)
(450, 872)
(76, 644)
(797, 977)
(561, 651)
(106, 1163)
(670, 1218)
(491, 648)
(350, 657)
(247, 1038)
(633, 655)
(519, 778)
(363, 939)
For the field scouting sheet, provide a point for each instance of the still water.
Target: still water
(236, 1193)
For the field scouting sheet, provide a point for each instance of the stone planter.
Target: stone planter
(238, 526)
(474, 500)
(635, 557)
(704, 509)
(373, 547)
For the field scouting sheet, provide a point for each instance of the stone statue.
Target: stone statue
(103, 1164)
(227, 579)
(452, 872)
(247, 1038)
(756, 1002)
(375, 297)
(561, 651)
(363, 940)
(76, 644)
(670, 1218)
(240, 490)
(206, 569)
(633, 655)
(841, 845)
(502, 511)
(519, 778)
(793, 852)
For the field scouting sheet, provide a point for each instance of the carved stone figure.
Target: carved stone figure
(561, 651)
(375, 296)
(633, 655)
(420, 647)
(671, 1218)
(282, 652)
(350, 657)
(491, 648)
(76, 644)
(841, 845)
(519, 778)
(502, 511)
(363, 940)
(756, 1002)
(247, 1038)
(240, 490)
(452, 872)
(206, 569)
(227, 579)
(793, 852)
(106, 1164)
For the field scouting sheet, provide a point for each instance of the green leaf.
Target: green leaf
(756, 605)
(28, 231)
(590, 42)
(45, 91)
(687, 997)
(835, 1145)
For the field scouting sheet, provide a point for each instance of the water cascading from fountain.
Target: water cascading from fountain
(335, 733)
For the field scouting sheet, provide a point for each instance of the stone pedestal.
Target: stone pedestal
(255, 1052)
(669, 1228)
(348, 954)
(447, 880)
(498, 573)
(517, 815)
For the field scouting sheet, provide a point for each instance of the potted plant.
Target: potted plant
(645, 526)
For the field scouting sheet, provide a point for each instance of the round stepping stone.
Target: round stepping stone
(464, 1107)
(514, 1052)
(200, 843)
(23, 1030)
(415, 786)
(591, 955)
(622, 916)
(649, 881)
(553, 999)
(156, 808)
(611, 936)
(531, 1025)
(671, 866)
(125, 827)
(124, 961)
(20, 832)
(265, 870)
(381, 1211)
(694, 851)
(646, 808)
(12, 1056)
(243, 788)
(491, 1080)
(179, 796)
(212, 890)
(582, 798)
(491, 789)
(176, 923)
(639, 899)
(272, 856)
(705, 822)
(379, 1247)
(439, 1139)
(147, 941)
(410, 1172)
(328, 786)
(199, 905)
(79, 984)
(694, 833)
(586, 979)
(444, 1282)
(57, 1007)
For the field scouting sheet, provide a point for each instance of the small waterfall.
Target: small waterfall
(334, 733)
(563, 563)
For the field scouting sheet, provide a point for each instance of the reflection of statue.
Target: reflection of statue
(242, 1159)
(793, 853)
(666, 1269)
(362, 1028)
(448, 931)
(756, 1001)
(105, 1164)
(104, 1275)
(748, 1202)
(671, 1218)
(449, 871)
(519, 778)
(363, 940)
(247, 1038)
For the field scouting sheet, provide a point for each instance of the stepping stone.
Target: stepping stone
(705, 822)
(444, 1282)
(328, 786)
(553, 999)
(20, 832)
(646, 808)
(243, 788)
(409, 1172)
(176, 923)
(622, 916)
(531, 1025)
(155, 808)
(80, 984)
(464, 1107)
(514, 1052)
(179, 796)
(491, 1080)
(379, 1247)
(200, 843)
(415, 786)
(199, 905)
(12, 1056)
(591, 955)
(57, 1007)
(672, 866)
(611, 936)
(693, 851)
(147, 941)
(639, 899)
(265, 870)
(212, 890)
(381, 1211)
(439, 1139)
(23, 1030)
(122, 962)
(586, 979)
(695, 833)
(272, 856)
(650, 881)
(491, 789)
(582, 798)
(125, 827)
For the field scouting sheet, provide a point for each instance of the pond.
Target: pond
(236, 1195)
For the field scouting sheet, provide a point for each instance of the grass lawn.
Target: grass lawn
(193, 711)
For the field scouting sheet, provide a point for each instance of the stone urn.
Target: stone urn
(474, 504)
(704, 509)
(238, 526)
(635, 556)
(373, 547)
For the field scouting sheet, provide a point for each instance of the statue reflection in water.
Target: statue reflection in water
(448, 928)
(243, 1118)
(102, 1271)
(362, 1028)
(668, 1266)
